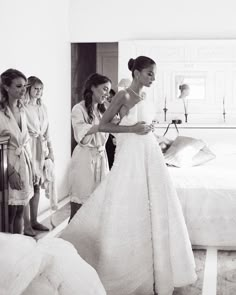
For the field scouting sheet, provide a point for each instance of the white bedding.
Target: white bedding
(208, 197)
(50, 266)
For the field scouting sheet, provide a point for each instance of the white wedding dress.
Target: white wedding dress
(132, 229)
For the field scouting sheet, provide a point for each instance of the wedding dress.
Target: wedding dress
(132, 229)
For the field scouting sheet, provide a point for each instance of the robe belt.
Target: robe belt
(100, 163)
(18, 150)
(23, 159)
(40, 147)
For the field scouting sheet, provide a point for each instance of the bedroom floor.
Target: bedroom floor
(216, 272)
(216, 269)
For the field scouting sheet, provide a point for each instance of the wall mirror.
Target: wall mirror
(196, 84)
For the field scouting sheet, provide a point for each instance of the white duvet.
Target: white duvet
(208, 197)
(50, 266)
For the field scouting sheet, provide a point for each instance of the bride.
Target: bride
(132, 229)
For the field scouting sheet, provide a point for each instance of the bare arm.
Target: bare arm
(83, 131)
(106, 124)
(92, 130)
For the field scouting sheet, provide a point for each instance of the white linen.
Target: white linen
(50, 266)
(208, 197)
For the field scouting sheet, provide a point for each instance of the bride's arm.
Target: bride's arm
(106, 124)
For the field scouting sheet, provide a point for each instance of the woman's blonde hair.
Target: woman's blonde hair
(31, 81)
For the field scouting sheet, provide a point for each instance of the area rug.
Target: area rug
(196, 288)
(226, 273)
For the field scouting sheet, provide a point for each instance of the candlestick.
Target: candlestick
(186, 118)
(224, 112)
(185, 103)
(165, 110)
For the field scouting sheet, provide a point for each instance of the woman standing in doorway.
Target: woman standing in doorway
(89, 164)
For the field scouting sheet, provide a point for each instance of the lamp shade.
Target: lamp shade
(124, 83)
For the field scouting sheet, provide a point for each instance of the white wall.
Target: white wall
(34, 39)
(107, 20)
(112, 21)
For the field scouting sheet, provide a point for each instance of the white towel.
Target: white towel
(49, 183)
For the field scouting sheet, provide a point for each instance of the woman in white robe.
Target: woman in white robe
(89, 164)
(41, 148)
(13, 122)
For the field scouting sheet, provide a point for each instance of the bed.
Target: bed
(208, 197)
(207, 192)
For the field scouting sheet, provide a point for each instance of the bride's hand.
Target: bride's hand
(141, 128)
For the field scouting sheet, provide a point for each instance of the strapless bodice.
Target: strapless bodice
(139, 112)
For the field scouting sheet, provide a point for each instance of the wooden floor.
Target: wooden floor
(56, 221)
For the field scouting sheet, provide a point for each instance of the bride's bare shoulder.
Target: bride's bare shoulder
(122, 97)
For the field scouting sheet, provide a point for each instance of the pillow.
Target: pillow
(186, 152)
(203, 156)
(223, 148)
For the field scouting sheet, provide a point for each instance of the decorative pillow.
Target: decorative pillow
(186, 152)
(203, 156)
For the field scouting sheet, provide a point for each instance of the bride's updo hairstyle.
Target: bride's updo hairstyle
(140, 63)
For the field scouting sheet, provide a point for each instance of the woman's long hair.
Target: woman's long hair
(93, 80)
(31, 81)
(6, 79)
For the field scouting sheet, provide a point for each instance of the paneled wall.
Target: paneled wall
(214, 61)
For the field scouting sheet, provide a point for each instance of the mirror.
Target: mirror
(196, 84)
